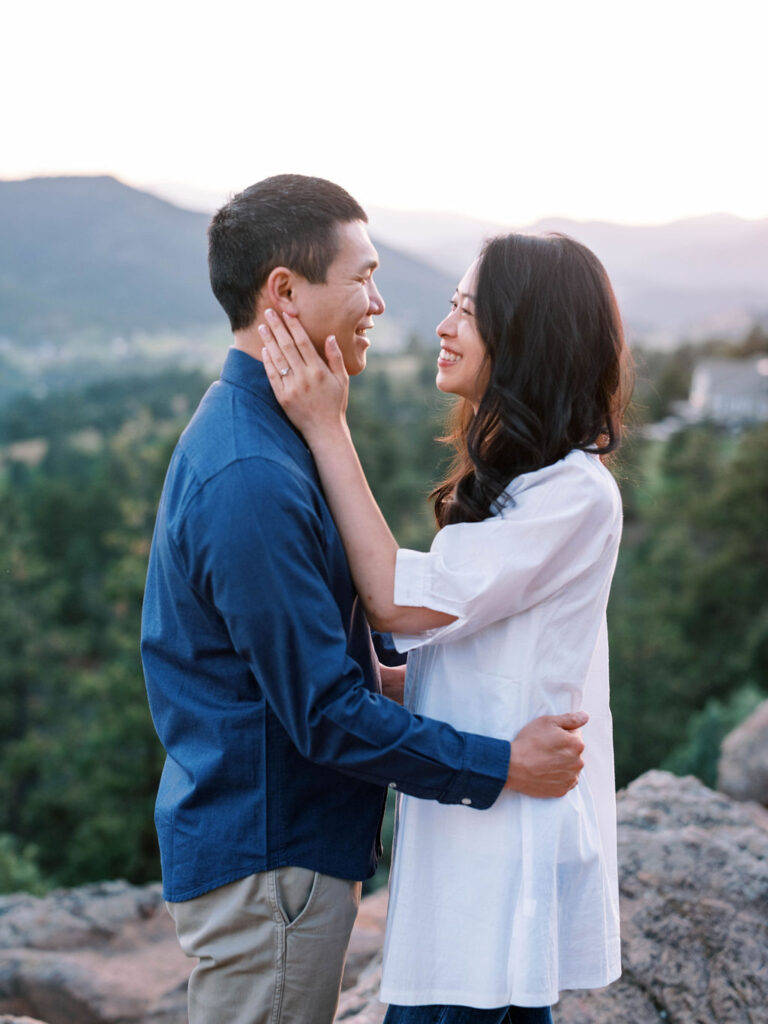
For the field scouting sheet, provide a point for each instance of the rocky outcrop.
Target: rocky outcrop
(694, 901)
(107, 954)
(93, 955)
(742, 771)
(6, 1019)
(694, 911)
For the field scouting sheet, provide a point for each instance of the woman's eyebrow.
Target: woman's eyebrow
(465, 295)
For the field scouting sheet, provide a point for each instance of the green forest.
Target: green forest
(80, 474)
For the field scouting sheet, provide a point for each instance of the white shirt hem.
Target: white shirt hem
(462, 997)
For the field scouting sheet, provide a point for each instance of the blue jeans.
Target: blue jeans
(467, 1015)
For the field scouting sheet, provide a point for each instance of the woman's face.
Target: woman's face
(461, 365)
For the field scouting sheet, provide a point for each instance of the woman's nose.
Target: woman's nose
(445, 327)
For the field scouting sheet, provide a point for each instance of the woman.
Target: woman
(492, 914)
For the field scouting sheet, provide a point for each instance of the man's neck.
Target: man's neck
(248, 340)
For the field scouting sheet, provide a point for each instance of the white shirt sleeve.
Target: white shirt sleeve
(556, 529)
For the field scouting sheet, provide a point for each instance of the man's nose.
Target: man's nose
(375, 301)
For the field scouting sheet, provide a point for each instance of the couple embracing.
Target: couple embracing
(285, 718)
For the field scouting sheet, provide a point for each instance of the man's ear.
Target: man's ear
(279, 290)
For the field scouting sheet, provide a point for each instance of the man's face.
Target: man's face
(348, 300)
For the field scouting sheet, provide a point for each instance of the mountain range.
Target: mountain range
(692, 278)
(94, 254)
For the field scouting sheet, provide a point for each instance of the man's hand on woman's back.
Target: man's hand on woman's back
(546, 755)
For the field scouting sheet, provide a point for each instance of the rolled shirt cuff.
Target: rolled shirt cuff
(414, 589)
(483, 774)
(411, 575)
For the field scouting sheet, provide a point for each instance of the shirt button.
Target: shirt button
(467, 802)
(393, 785)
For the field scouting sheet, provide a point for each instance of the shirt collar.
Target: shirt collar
(246, 372)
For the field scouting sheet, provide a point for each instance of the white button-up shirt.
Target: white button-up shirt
(513, 904)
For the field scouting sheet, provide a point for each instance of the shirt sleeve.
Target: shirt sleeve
(487, 571)
(256, 549)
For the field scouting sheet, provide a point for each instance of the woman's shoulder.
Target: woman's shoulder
(579, 477)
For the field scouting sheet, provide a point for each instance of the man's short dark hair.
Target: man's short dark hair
(288, 220)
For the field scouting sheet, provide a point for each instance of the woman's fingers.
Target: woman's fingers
(283, 339)
(291, 338)
(273, 351)
(274, 376)
(291, 348)
(312, 394)
(283, 348)
(299, 337)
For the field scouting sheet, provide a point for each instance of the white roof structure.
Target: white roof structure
(730, 391)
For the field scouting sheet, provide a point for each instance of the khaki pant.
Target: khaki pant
(271, 947)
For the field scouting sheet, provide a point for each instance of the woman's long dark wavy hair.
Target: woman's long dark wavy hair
(560, 371)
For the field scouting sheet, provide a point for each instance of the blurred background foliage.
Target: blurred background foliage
(80, 475)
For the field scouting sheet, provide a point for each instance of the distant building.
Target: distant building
(730, 391)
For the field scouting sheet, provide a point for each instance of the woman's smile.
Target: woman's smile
(446, 357)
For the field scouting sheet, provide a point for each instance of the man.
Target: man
(263, 684)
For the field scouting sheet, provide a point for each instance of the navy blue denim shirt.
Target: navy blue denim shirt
(259, 667)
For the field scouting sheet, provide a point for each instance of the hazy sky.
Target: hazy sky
(504, 109)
